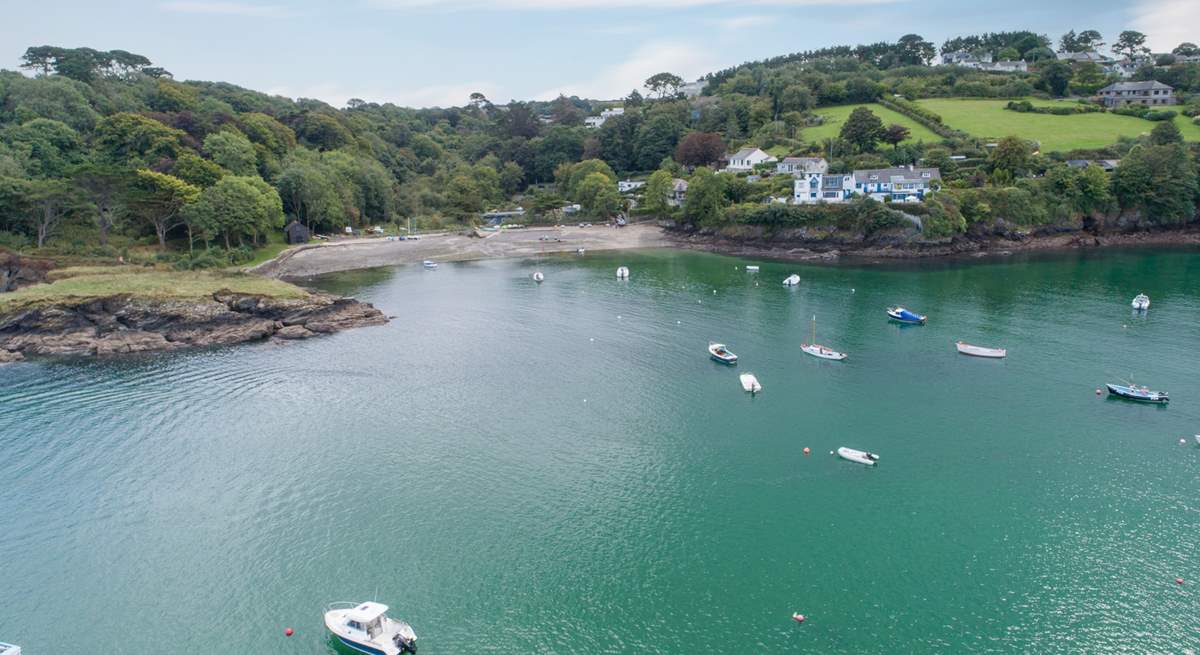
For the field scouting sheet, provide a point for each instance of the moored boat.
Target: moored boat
(538, 277)
(9, 649)
(817, 350)
(720, 353)
(1141, 302)
(622, 273)
(1134, 392)
(791, 280)
(366, 628)
(860, 456)
(751, 269)
(904, 316)
(980, 351)
(429, 263)
(750, 383)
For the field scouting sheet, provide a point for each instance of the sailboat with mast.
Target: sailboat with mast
(817, 350)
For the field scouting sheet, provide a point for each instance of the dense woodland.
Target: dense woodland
(105, 154)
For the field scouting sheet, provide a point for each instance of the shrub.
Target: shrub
(14, 240)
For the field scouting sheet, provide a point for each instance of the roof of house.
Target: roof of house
(896, 175)
(1137, 86)
(678, 184)
(832, 181)
(803, 160)
(744, 153)
(1078, 163)
(1090, 55)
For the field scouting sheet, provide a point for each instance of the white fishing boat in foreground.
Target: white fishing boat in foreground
(1141, 302)
(366, 628)
(9, 649)
(860, 456)
(980, 351)
(622, 273)
(791, 280)
(817, 350)
(719, 353)
(750, 383)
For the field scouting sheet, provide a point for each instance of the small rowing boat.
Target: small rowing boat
(750, 383)
(429, 264)
(791, 280)
(904, 316)
(1134, 392)
(980, 351)
(720, 353)
(622, 273)
(751, 269)
(538, 277)
(1141, 302)
(860, 456)
(817, 350)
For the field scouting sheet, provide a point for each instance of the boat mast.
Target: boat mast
(814, 329)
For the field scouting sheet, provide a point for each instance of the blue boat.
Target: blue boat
(1141, 394)
(904, 316)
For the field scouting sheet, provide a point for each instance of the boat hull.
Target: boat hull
(857, 456)
(728, 361)
(980, 351)
(750, 383)
(903, 316)
(1155, 397)
(357, 647)
(821, 352)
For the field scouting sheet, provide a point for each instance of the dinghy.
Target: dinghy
(538, 277)
(980, 351)
(750, 383)
(366, 628)
(429, 263)
(791, 280)
(751, 269)
(622, 273)
(1134, 392)
(1141, 302)
(817, 350)
(904, 316)
(720, 353)
(860, 456)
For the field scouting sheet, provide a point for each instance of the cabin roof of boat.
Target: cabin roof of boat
(367, 612)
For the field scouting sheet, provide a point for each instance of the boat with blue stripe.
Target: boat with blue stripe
(902, 315)
(366, 628)
(1140, 394)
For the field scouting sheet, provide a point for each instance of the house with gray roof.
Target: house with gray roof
(1137, 93)
(907, 184)
(1090, 56)
(794, 165)
(744, 160)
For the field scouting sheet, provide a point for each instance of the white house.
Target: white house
(679, 189)
(1005, 66)
(794, 165)
(746, 159)
(597, 121)
(624, 186)
(897, 184)
(811, 188)
(966, 59)
(692, 89)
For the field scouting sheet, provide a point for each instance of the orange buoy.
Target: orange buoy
(289, 632)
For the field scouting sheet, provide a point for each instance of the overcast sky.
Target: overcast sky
(436, 52)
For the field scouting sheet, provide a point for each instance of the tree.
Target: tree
(862, 128)
(48, 147)
(564, 112)
(705, 197)
(664, 84)
(572, 176)
(232, 151)
(512, 177)
(323, 131)
(656, 192)
(1159, 181)
(656, 139)
(700, 149)
(237, 206)
(597, 195)
(894, 134)
(1011, 155)
(46, 203)
(131, 139)
(157, 199)
(1088, 79)
(913, 50)
(105, 186)
(1056, 77)
(1038, 54)
(1008, 54)
(1165, 133)
(1089, 41)
(1130, 43)
(1186, 49)
(1069, 42)
(196, 170)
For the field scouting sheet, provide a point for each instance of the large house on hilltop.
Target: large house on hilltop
(795, 165)
(1137, 93)
(597, 121)
(966, 59)
(1090, 56)
(746, 159)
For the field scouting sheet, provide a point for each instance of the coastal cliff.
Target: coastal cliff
(127, 324)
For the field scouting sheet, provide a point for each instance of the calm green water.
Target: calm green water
(561, 469)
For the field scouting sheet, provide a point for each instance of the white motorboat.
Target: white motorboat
(429, 263)
(718, 352)
(622, 273)
(791, 280)
(751, 269)
(9, 649)
(750, 383)
(538, 277)
(366, 628)
(1197, 439)
(1141, 302)
(980, 351)
(860, 456)
(579, 251)
(817, 350)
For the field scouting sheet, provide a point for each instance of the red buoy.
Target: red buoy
(1098, 392)
(289, 632)
(798, 617)
(806, 450)
(1178, 580)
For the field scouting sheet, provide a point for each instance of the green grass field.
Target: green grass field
(835, 116)
(989, 119)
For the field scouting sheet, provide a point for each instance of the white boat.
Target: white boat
(622, 273)
(980, 351)
(579, 251)
(366, 628)
(817, 350)
(751, 269)
(750, 383)
(9, 649)
(1197, 439)
(791, 280)
(860, 456)
(538, 277)
(1141, 302)
(429, 263)
(719, 353)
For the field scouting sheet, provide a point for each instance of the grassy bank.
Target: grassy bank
(989, 119)
(81, 283)
(835, 116)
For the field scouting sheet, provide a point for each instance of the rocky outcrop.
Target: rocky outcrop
(124, 324)
(17, 271)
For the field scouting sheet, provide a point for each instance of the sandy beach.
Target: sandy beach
(316, 259)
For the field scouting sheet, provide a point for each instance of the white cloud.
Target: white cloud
(561, 5)
(743, 22)
(1167, 23)
(617, 81)
(223, 8)
(438, 95)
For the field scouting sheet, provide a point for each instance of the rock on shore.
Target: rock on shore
(124, 324)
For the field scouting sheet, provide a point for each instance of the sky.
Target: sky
(425, 53)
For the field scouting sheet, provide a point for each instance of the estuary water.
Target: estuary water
(517, 468)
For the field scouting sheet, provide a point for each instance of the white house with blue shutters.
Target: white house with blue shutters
(810, 188)
(897, 184)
